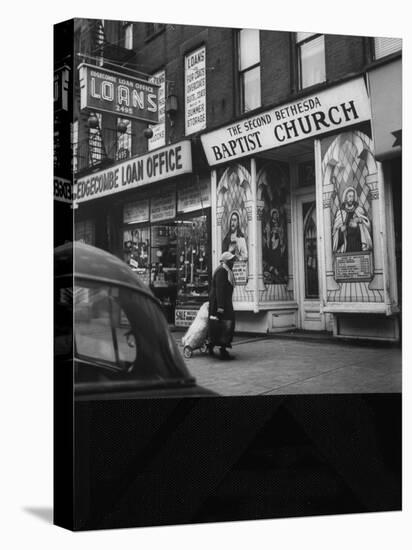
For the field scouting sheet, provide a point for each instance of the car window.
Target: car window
(102, 328)
(119, 334)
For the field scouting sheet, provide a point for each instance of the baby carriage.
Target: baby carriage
(196, 335)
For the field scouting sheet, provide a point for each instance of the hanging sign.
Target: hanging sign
(136, 212)
(326, 111)
(121, 94)
(195, 91)
(163, 207)
(161, 164)
(194, 196)
(159, 130)
(62, 189)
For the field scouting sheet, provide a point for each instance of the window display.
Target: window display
(136, 251)
(193, 269)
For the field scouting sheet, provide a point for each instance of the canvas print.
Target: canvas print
(228, 250)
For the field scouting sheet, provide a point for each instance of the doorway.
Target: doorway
(310, 317)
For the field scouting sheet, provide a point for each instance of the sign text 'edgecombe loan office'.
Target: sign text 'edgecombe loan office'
(164, 163)
(331, 109)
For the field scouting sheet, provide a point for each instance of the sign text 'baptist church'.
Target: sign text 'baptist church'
(124, 95)
(310, 116)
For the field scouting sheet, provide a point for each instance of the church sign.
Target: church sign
(327, 110)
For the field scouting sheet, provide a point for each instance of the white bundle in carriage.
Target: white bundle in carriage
(196, 334)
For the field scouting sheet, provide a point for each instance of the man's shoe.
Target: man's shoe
(225, 356)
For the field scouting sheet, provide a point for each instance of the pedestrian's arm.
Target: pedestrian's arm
(221, 278)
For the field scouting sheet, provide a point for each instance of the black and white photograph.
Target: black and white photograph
(205, 273)
(228, 204)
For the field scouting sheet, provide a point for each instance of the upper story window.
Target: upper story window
(249, 69)
(128, 35)
(386, 46)
(311, 58)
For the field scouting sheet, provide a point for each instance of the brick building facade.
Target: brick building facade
(317, 209)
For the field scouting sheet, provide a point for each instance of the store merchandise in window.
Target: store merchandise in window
(163, 265)
(136, 248)
(193, 261)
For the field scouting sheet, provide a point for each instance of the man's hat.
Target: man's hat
(227, 256)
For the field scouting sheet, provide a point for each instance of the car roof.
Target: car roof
(88, 262)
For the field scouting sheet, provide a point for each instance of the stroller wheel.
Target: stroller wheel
(204, 348)
(187, 352)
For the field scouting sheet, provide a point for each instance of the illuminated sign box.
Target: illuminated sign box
(121, 94)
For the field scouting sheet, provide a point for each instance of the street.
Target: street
(285, 365)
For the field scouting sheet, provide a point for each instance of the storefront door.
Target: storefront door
(310, 317)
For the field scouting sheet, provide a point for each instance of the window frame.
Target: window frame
(128, 35)
(298, 45)
(387, 55)
(241, 73)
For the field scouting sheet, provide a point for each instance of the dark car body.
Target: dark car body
(111, 329)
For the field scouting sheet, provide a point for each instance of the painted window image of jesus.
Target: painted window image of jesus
(234, 240)
(352, 227)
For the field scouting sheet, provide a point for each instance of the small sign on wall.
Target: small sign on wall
(136, 212)
(353, 267)
(185, 317)
(159, 130)
(195, 91)
(240, 272)
(163, 207)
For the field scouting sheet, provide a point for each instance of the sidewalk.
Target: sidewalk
(284, 364)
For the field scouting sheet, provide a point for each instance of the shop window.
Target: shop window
(192, 259)
(163, 265)
(386, 46)
(96, 142)
(136, 250)
(124, 138)
(128, 35)
(249, 69)
(311, 58)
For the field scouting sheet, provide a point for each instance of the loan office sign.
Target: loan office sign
(168, 162)
(311, 116)
(124, 95)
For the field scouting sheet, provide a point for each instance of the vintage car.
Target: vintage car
(111, 329)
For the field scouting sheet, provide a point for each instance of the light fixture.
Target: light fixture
(122, 126)
(93, 121)
(171, 105)
(148, 133)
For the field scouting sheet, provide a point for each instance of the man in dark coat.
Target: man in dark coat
(221, 305)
